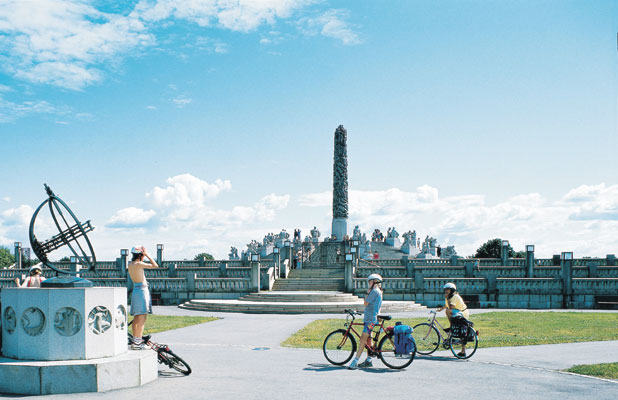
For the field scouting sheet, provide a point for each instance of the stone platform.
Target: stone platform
(296, 303)
(134, 368)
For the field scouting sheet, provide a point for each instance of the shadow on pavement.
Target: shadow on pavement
(328, 367)
(437, 358)
(170, 374)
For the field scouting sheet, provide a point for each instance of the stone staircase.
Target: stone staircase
(296, 302)
(305, 291)
(312, 279)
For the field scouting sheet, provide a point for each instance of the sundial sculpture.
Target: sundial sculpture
(70, 233)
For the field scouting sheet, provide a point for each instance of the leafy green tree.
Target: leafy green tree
(64, 259)
(6, 258)
(205, 255)
(493, 249)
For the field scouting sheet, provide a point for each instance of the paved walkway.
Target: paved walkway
(239, 357)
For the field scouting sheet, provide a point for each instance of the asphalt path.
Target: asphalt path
(240, 357)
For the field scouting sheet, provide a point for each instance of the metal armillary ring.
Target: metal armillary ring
(68, 235)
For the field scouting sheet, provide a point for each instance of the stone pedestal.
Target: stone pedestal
(410, 250)
(64, 324)
(392, 241)
(340, 228)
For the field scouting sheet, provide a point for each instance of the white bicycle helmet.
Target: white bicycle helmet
(450, 285)
(374, 277)
(136, 250)
(35, 268)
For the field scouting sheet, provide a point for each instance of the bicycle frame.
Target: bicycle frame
(350, 328)
(433, 322)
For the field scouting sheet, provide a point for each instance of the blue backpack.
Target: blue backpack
(402, 336)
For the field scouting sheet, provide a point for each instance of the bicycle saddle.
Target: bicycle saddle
(385, 317)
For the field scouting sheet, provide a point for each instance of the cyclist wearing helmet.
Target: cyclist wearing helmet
(34, 280)
(373, 303)
(454, 305)
(141, 303)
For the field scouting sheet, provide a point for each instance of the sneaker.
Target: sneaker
(146, 338)
(353, 364)
(365, 364)
(138, 345)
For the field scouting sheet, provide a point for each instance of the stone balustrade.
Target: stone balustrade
(595, 286)
(464, 285)
(231, 285)
(392, 272)
(440, 272)
(399, 285)
(528, 285)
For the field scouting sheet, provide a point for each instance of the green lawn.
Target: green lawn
(160, 323)
(498, 329)
(608, 371)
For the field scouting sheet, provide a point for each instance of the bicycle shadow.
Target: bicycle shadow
(437, 358)
(170, 374)
(329, 367)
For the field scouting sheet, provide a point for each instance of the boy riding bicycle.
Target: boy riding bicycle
(373, 303)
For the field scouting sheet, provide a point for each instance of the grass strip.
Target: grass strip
(162, 323)
(497, 329)
(607, 370)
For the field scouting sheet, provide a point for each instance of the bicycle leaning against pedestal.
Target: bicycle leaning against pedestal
(340, 345)
(428, 337)
(165, 355)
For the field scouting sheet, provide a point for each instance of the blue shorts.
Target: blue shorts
(368, 327)
(141, 303)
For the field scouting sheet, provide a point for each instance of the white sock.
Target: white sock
(368, 359)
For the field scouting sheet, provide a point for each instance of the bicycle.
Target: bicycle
(340, 345)
(164, 354)
(428, 338)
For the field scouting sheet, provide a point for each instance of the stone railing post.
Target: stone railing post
(171, 270)
(223, 269)
(255, 272)
(469, 269)
(190, 278)
(350, 272)
(405, 261)
(202, 261)
(18, 258)
(73, 265)
(123, 262)
(592, 269)
(611, 260)
(418, 281)
(454, 261)
(530, 261)
(160, 254)
(504, 255)
(566, 261)
(277, 260)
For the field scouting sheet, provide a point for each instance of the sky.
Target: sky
(204, 124)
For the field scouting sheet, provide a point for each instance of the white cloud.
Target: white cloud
(71, 43)
(585, 220)
(7, 199)
(131, 217)
(17, 216)
(61, 42)
(151, 107)
(330, 24)
(181, 101)
(187, 191)
(183, 212)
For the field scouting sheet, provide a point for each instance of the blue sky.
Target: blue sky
(466, 120)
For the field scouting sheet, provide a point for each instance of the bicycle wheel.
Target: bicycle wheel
(173, 361)
(457, 344)
(339, 347)
(426, 337)
(386, 352)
